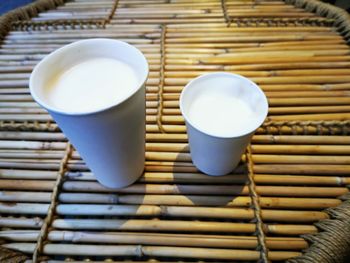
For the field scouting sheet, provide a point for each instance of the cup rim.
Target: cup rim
(232, 75)
(72, 45)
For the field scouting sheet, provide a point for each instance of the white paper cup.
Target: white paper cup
(219, 152)
(110, 140)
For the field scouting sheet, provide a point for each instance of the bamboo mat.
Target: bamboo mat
(288, 197)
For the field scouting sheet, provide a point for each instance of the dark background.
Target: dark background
(7, 5)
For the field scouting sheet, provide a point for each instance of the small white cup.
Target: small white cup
(217, 153)
(110, 140)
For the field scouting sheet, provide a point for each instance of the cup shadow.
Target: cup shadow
(207, 190)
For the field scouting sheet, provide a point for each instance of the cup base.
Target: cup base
(118, 185)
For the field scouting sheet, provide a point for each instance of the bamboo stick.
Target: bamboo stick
(315, 47)
(299, 159)
(257, 158)
(41, 185)
(27, 174)
(157, 239)
(217, 57)
(31, 223)
(274, 179)
(240, 201)
(30, 155)
(172, 211)
(302, 79)
(300, 180)
(18, 135)
(302, 56)
(274, 73)
(172, 8)
(287, 43)
(301, 149)
(277, 80)
(263, 66)
(166, 21)
(85, 34)
(269, 139)
(154, 149)
(133, 250)
(312, 117)
(24, 208)
(275, 202)
(18, 104)
(64, 41)
(305, 94)
(17, 98)
(26, 117)
(285, 129)
(300, 139)
(198, 178)
(17, 196)
(160, 17)
(163, 147)
(25, 161)
(14, 76)
(174, 5)
(20, 110)
(232, 31)
(281, 87)
(294, 169)
(231, 190)
(267, 215)
(182, 226)
(308, 109)
(18, 68)
(237, 49)
(243, 39)
(32, 145)
(317, 169)
(309, 101)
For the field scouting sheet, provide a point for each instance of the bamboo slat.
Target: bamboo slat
(123, 250)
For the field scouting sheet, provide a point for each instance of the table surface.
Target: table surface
(296, 166)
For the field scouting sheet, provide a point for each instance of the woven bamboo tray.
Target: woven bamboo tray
(288, 199)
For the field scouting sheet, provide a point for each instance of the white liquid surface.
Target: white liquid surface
(221, 114)
(91, 85)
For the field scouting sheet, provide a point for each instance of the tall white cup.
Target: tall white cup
(111, 140)
(217, 153)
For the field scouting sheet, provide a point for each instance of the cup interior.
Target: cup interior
(70, 55)
(225, 85)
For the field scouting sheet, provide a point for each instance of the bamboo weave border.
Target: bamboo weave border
(307, 127)
(256, 206)
(241, 22)
(332, 244)
(53, 203)
(20, 16)
(341, 17)
(224, 10)
(161, 78)
(24, 13)
(111, 14)
(44, 25)
(26, 126)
